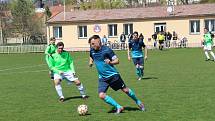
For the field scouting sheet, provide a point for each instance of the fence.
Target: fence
(22, 48)
(114, 46)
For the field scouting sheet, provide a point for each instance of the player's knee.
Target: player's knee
(57, 81)
(102, 96)
(77, 82)
(125, 90)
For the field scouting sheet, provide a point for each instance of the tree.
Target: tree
(23, 13)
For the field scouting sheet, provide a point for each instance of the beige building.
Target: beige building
(75, 27)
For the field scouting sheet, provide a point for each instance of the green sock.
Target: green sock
(132, 95)
(111, 101)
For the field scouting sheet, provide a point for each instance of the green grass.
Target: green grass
(178, 86)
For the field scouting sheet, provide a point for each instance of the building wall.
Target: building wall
(180, 26)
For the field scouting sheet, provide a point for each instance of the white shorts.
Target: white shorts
(69, 76)
(207, 47)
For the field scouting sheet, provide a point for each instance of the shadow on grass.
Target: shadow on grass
(75, 97)
(148, 78)
(113, 110)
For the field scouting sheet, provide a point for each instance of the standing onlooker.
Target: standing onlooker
(174, 38)
(135, 47)
(105, 59)
(208, 43)
(129, 38)
(50, 49)
(161, 39)
(168, 39)
(122, 40)
(62, 65)
(141, 37)
(104, 40)
(154, 37)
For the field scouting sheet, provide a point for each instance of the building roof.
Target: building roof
(56, 10)
(134, 13)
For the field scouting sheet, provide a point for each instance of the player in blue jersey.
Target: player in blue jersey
(135, 48)
(104, 58)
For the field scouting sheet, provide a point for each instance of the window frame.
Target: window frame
(213, 29)
(196, 32)
(113, 34)
(58, 36)
(130, 28)
(84, 31)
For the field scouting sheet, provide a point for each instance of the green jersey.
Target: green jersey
(61, 62)
(208, 39)
(51, 48)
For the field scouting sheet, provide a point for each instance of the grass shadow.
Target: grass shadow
(74, 97)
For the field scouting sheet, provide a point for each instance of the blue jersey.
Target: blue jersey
(136, 48)
(104, 70)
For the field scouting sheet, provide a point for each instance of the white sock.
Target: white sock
(206, 54)
(81, 90)
(212, 54)
(59, 91)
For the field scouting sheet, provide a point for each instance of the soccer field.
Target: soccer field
(178, 86)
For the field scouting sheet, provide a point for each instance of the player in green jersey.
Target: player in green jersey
(50, 49)
(62, 65)
(208, 44)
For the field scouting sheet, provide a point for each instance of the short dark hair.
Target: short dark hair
(52, 38)
(93, 37)
(135, 33)
(60, 44)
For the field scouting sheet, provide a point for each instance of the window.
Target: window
(82, 31)
(160, 27)
(194, 26)
(112, 30)
(128, 29)
(57, 32)
(210, 25)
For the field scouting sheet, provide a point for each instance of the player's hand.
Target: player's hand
(61, 72)
(107, 61)
(129, 58)
(90, 64)
(145, 58)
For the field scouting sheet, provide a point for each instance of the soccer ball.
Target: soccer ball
(82, 109)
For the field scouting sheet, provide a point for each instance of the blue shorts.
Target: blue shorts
(115, 82)
(138, 61)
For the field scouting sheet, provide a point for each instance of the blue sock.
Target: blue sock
(112, 102)
(138, 72)
(132, 95)
(142, 71)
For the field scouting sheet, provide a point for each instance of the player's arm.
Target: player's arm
(71, 63)
(111, 59)
(145, 50)
(128, 52)
(51, 64)
(47, 50)
(90, 62)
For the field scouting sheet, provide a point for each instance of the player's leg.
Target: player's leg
(138, 71)
(141, 66)
(206, 53)
(102, 88)
(211, 52)
(132, 95)
(71, 77)
(57, 83)
(80, 88)
(117, 83)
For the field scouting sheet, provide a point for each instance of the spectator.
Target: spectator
(154, 37)
(104, 40)
(122, 41)
(168, 39)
